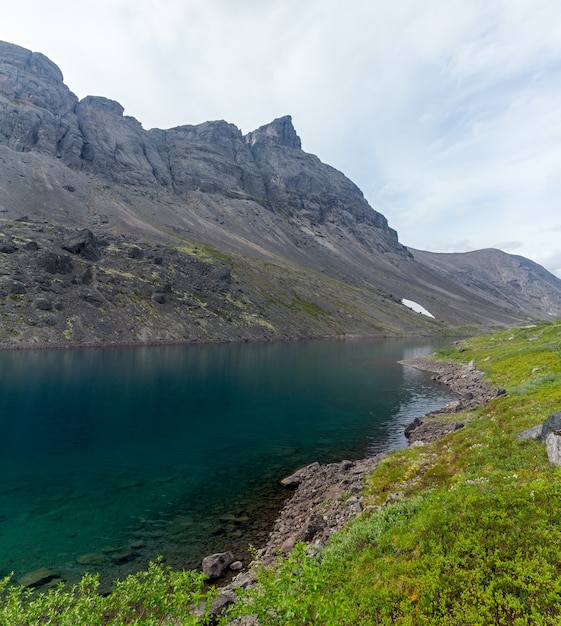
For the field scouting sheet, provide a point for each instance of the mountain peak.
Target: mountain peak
(33, 63)
(280, 131)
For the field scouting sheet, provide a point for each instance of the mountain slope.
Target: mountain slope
(499, 277)
(110, 232)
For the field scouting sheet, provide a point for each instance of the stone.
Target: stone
(159, 297)
(215, 565)
(221, 603)
(551, 424)
(236, 566)
(136, 253)
(295, 479)
(38, 577)
(288, 544)
(18, 289)
(315, 524)
(125, 557)
(84, 244)
(87, 276)
(532, 433)
(412, 426)
(53, 263)
(7, 245)
(92, 558)
(553, 447)
(223, 274)
(44, 304)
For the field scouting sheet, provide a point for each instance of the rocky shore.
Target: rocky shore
(466, 381)
(326, 497)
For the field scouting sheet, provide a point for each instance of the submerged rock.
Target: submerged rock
(92, 559)
(38, 577)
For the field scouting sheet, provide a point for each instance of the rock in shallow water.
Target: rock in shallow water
(38, 577)
(92, 559)
(215, 565)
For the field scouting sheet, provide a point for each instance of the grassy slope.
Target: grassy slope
(474, 537)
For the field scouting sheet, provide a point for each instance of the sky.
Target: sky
(446, 113)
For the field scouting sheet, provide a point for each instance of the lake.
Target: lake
(112, 456)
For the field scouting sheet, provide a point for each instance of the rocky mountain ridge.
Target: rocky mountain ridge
(113, 233)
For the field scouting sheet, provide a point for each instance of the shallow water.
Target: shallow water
(111, 456)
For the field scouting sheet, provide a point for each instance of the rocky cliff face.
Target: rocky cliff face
(94, 136)
(199, 232)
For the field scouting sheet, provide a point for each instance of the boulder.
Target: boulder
(553, 447)
(551, 424)
(92, 558)
(38, 577)
(215, 565)
(84, 244)
(44, 304)
(53, 263)
(532, 433)
(295, 479)
(411, 427)
(221, 603)
(7, 246)
(315, 524)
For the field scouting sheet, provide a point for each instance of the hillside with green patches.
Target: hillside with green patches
(465, 530)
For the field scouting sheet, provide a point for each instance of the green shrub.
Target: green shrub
(156, 596)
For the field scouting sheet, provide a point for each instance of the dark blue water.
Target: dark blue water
(111, 456)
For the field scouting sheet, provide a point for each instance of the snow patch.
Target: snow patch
(416, 307)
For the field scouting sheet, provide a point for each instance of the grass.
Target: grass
(471, 538)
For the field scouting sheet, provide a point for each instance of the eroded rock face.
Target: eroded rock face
(116, 147)
(39, 113)
(37, 110)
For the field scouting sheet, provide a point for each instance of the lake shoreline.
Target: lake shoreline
(198, 342)
(326, 497)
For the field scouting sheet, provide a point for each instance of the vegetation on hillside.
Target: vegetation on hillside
(465, 530)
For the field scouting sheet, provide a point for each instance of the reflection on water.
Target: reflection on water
(110, 456)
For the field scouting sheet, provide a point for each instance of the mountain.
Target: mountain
(113, 233)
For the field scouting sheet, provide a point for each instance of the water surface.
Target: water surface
(111, 456)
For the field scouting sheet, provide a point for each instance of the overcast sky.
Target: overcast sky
(446, 113)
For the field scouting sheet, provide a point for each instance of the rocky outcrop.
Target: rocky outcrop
(37, 110)
(94, 135)
(325, 498)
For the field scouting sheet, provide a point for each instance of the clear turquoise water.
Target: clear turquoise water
(127, 453)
